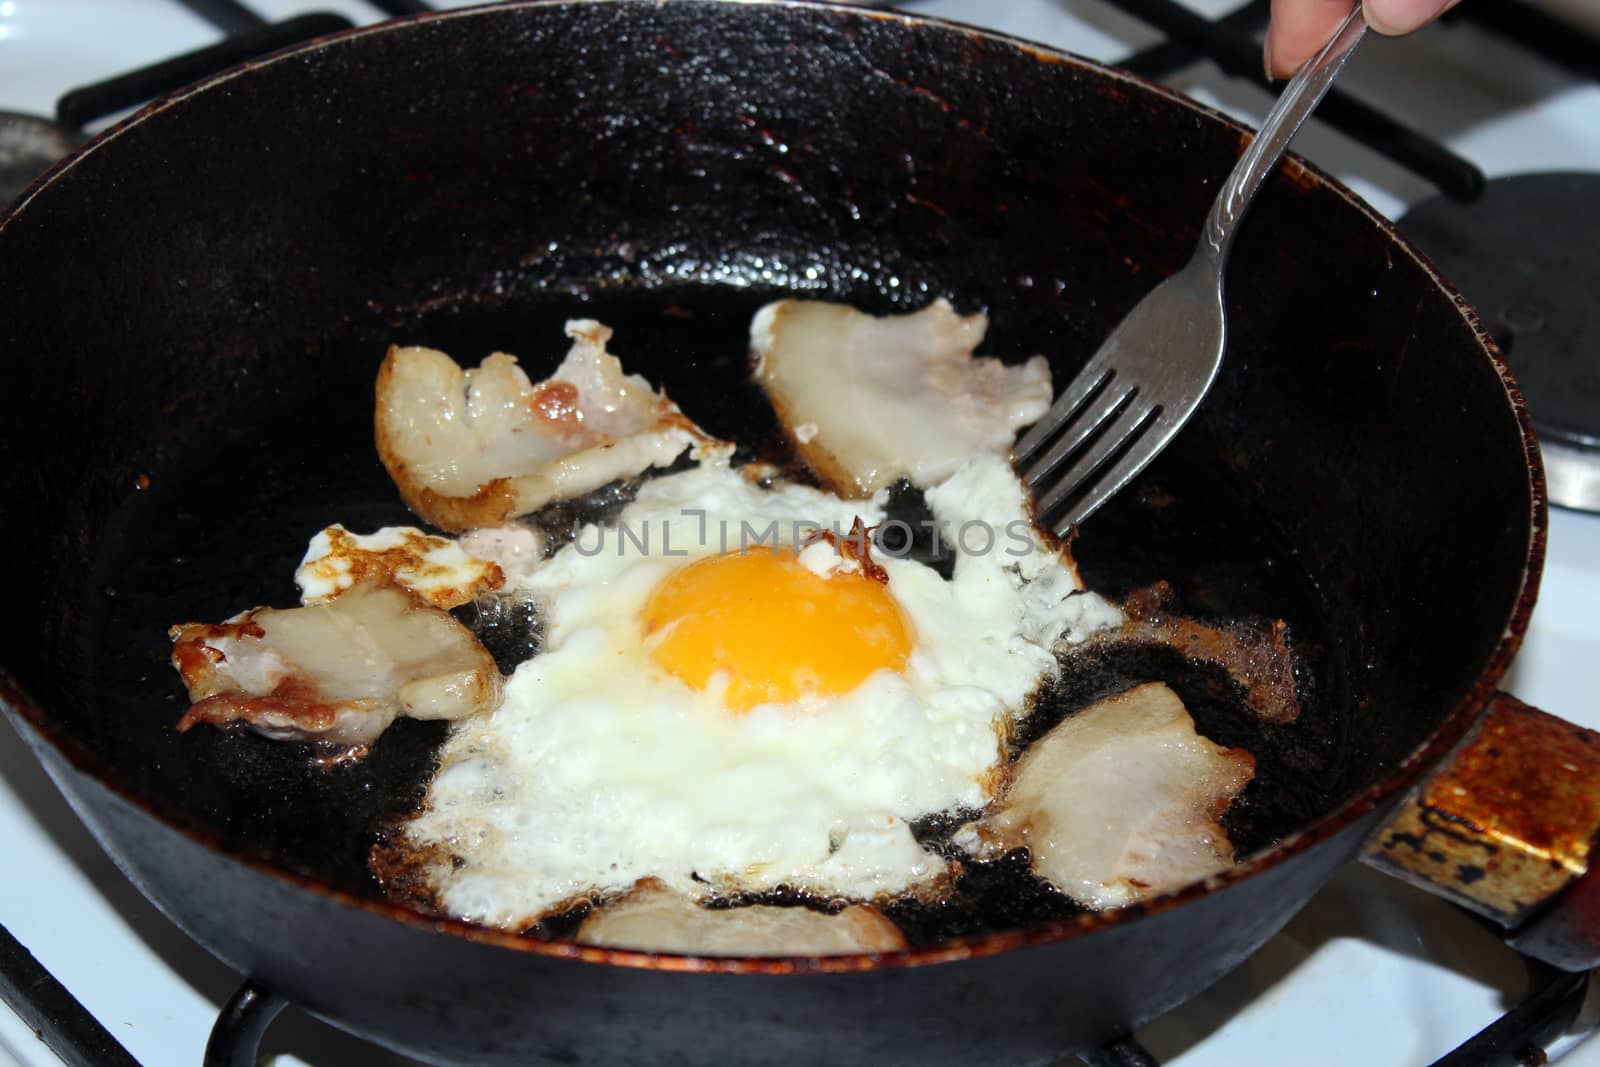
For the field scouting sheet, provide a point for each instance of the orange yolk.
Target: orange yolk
(779, 630)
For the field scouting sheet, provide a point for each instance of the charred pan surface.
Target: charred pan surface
(402, 871)
(1256, 656)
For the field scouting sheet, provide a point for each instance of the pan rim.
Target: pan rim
(1446, 734)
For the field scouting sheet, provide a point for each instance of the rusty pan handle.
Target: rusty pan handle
(1507, 828)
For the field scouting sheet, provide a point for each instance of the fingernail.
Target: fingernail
(1394, 17)
(1376, 20)
(1266, 58)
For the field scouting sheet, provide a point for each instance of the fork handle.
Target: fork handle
(1299, 97)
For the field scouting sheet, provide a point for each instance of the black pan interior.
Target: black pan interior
(195, 315)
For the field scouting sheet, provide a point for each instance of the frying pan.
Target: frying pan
(196, 304)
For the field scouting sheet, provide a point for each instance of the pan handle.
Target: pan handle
(1508, 828)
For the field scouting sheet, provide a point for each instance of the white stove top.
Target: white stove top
(1371, 972)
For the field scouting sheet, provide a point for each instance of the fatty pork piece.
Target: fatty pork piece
(473, 448)
(652, 918)
(338, 672)
(869, 400)
(1120, 801)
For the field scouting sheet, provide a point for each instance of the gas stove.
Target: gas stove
(1372, 972)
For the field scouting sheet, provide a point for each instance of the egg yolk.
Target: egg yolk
(777, 628)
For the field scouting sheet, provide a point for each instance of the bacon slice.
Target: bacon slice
(338, 672)
(1120, 801)
(653, 918)
(470, 448)
(868, 400)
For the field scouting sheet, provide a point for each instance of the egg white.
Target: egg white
(600, 768)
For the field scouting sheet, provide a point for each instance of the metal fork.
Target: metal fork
(1150, 375)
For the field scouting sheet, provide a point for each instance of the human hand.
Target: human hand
(1300, 27)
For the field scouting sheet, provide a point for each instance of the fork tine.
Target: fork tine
(1153, 436)
(1124, 430)
(1078, 392)
(1107, 486)
(1103, 408)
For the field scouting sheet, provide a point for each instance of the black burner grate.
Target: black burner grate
(1524, 257)
(1515, 1039)
(1522, 254)
(1230, 42)
(44, 1004)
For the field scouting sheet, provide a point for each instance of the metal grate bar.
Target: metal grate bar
(1124, 1052)
(1539, 32)
(45, 1005)
(1518, 1037)
(229, 16)
(401, 8)
(83, 105)
(235, 1039)
(1162, 59)
(1239, 55)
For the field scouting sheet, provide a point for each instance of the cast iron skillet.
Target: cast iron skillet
(196, 305)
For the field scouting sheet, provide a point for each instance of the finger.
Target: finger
(1299, 28)
(1402, 16)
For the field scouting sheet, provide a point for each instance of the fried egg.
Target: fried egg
(732, 697)
(436, 569)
